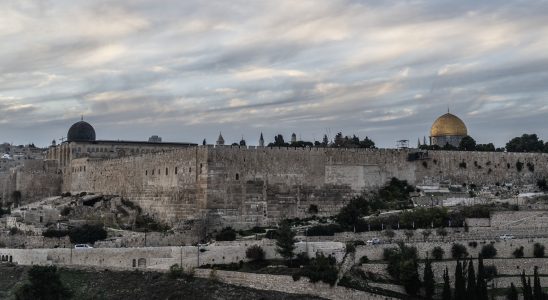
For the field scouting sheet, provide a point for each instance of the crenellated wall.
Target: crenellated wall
(245, 187)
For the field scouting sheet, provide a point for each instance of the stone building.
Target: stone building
(447, 129)
(81, 142)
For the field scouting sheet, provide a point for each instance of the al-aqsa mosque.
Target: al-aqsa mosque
(447, 129)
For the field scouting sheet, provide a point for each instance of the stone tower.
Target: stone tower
(261, 141)
(220, 140)
(293, 138)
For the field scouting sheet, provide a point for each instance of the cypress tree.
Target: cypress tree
(512, 293)
(481, 285)
(460, 288)
(446, 294)
(524, 286)
(471, 286)
(537, 291)
(285, 241)
(429, 283)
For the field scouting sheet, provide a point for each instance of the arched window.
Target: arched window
(167, 172)
(237, 176)
(146, 172)
(152, 172)
(134, 264)
(175, 170)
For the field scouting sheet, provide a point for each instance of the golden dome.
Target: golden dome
(448, 125)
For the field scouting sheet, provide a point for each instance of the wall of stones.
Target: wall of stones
(246, 187)
(160, 257)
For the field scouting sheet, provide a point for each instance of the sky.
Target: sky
(187, 70)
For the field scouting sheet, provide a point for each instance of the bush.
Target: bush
(488, 251)
(458, 251)
(87, 234)
(538, 250)
(14, 231)
(177, 272)
(350, 247)
(518, 253)
(66, 211)
(364, 259)
(473, 244)
(313, 209)
(321, 268)
(437, 253)
(226, 234)
(323, 230)
(44, 283)
(255, 253)
(54, 233)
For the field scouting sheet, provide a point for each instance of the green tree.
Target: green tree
(460, 287)
(526, 287)
(87, 234)
(285, 241)
(255, 253)
(426, 233)
(467, 144)
(44, 284)
(409, 234)
(226, 234)
(488, 251)
(402, 266)
(437, 253)
(390, 234)
(518, 253)
(458, 251)
(471, 282)
(428, 278)
(538, 250)
(481, 285)
(512, 293)
(538, 294)
(441, 232)
(351, 214)
(525, 143)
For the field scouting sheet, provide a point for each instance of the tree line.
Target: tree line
(524, 143)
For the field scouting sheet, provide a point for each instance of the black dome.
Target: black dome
(81, 131)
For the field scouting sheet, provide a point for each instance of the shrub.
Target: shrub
(441, 232)
(176, 272)
(518, 253)
(44, 283)
(350, 247)
(255, 253)
(14, 231)
(226, 234)
(531, 167)
(313, 209)
(364, 259)
(54, 233)
(490, 272)
(519, 166)
(462, 165)
(87, 234)
(488, 251)
(473, 244)
(66, 211)
(458, 251)
(437, 253)
(323, 230)
(321, 268)
(538, 250)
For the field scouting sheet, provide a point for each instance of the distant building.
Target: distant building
(81, 142)
(447, 129)
(220, 140)
(261, 141)
(155, 139)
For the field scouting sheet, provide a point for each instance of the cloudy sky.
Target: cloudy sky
(186, 70)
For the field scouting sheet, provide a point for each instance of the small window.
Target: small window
(237, 176)
(175, 170)
(189, 170)
(152, 172)
(146, 172)
(167, 172)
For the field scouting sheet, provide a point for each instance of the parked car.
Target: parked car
(82, 246)
(373, 241)
(506, 237)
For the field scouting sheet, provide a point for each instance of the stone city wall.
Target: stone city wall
(247, 187)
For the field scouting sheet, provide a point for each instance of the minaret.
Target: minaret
(220, 140)
(424, 140)
(261, 141)
(293, 138)
(418, 143)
